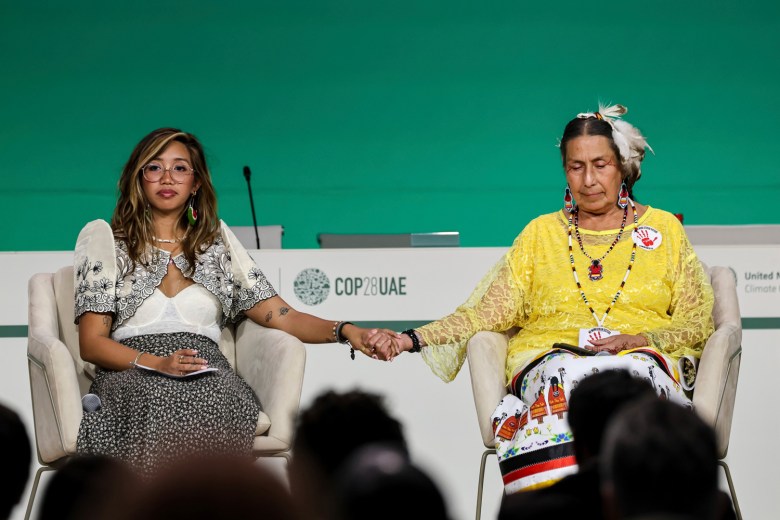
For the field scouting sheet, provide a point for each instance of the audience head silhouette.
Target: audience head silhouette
(650, 444)
(331, 429)
(377, 472)
(214, 486)
(16, 464)
(88, 487)
(595, 401)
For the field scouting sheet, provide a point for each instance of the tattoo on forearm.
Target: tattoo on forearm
(284, 310)
(268, 316)
(106, 321)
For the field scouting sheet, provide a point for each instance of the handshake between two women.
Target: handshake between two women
(381, 344)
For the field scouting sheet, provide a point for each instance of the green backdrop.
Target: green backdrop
(400, 116)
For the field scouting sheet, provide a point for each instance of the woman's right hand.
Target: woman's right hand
(390, 345)
(360, 338)
(181, 362)
(618, 343)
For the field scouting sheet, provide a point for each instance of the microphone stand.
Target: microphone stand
(247, 175)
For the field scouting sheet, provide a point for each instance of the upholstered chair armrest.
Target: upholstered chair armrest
(716, 379)
(725, 312)
(487, 362)
(272, 362)
(56, 396)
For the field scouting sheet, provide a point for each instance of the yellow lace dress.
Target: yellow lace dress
(667, 296)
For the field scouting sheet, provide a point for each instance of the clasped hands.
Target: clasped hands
(382, 344)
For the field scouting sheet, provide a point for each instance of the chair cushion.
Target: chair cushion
(69, 331)
(263, 423)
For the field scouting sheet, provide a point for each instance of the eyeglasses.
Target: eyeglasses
(154, 171)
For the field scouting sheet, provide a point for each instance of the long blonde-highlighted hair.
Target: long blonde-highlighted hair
(132, 220)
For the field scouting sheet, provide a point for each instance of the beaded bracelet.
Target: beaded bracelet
(341, 339)
(335, 325)
(415, 340)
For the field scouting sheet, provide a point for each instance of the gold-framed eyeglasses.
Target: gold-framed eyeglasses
(179, 170)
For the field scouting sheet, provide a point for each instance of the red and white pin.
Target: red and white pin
(647, 238)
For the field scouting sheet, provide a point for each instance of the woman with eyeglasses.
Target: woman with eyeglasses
(153, 291)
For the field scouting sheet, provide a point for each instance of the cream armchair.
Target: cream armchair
(716, 383)
(271, 361)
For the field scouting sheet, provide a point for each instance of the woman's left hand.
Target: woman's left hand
(619, 343)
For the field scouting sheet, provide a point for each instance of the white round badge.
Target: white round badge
(646, 237)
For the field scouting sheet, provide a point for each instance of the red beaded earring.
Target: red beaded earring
(568, 201)
(623, 197)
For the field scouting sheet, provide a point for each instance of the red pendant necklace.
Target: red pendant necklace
(596, 268)
(600, 322)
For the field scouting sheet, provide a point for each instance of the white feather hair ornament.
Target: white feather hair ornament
(627, 137)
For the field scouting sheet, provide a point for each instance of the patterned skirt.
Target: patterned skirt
(149, 420)
(533, 439)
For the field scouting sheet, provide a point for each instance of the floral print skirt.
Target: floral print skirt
(149, 420)
(533, 440)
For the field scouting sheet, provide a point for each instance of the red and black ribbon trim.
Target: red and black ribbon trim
(538, 461)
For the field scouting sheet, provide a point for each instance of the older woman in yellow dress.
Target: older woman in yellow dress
(605, 282)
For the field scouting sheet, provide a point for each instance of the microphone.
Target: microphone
(247, 175)
(91, 403)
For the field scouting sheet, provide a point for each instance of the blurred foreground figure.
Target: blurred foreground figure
(16, 462)
(656, 445)
(380, 483)
(329, 431)
(214, 487)
(89, 487)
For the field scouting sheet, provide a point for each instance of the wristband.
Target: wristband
(341, 339)
(415, 340)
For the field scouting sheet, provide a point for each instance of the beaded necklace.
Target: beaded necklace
(596, 268)
(600, 322)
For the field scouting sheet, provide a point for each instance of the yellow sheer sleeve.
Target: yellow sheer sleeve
(690, 309)
(493, 306)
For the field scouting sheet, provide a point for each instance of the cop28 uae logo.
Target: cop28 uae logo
(311, 286)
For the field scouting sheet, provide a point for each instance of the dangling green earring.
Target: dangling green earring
(192, 213)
